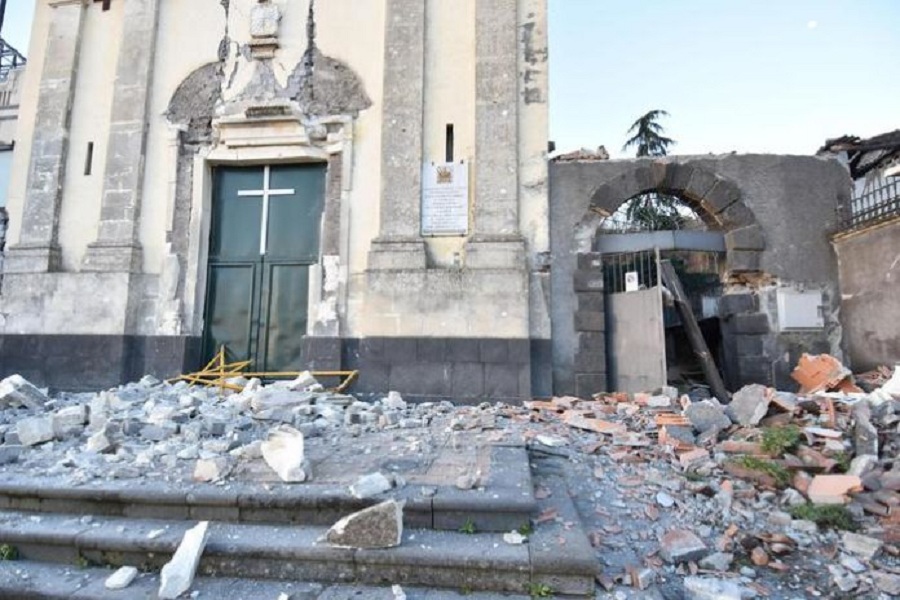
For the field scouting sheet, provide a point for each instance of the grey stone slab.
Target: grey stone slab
(567, 566)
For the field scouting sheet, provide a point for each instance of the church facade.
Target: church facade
(320, 185)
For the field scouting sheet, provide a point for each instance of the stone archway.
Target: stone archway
(580, 361)
(715, 199)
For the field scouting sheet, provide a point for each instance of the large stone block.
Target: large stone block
(586, 320)
(588, 281)
(467, 381)
(757, 323)
(701, 183)
(732, 304)
(722, 195)
(502, 381)
(587, 384)
(591, 301)
(590, 354)
(745, 238)
(743, 261)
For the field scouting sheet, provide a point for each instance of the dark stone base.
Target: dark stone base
(463, 370)
(95, 362)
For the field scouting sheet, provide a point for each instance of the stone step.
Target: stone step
(505, 501)
(27, 580)
(441, 559)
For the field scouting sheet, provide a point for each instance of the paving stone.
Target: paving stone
(177, 575)
(379, 526)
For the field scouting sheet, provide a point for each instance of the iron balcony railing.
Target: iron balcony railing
(875, 205)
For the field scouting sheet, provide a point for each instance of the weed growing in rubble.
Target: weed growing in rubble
(8, 552)
(539, 590)
(832, 516)
(468, 527)
(843, 461)
(778, 440)
(526, 529)
(781, 475)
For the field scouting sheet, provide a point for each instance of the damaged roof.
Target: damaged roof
(866, 155)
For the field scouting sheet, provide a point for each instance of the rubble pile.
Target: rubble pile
(768, 481)
(175, 432)
(771, 494)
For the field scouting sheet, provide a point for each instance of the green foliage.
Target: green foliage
(652, 210)
(648, 135)
(843, 461)
(781, 475)
(778, 440)
(655, 212)
(8, 552)
(468, 527)
(539, 590)
(832, 516)
(526, 529)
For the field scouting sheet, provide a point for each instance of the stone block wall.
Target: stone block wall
(466, 370)
(590, 326)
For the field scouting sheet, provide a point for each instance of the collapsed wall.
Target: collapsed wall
(781, 279)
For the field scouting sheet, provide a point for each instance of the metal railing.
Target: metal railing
(870, 207)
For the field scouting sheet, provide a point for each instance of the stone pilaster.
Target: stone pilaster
(496, 242)
(117, 248)
(38, 247)
(399, 244)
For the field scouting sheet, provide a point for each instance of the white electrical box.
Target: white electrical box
(800, 310)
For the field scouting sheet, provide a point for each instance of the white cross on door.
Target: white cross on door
(266, 193)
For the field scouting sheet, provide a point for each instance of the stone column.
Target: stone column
(399, 244)
(38, 247)
(496, 242)
(118, 248)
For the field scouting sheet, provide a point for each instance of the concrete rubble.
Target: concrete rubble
(121, 579)
(283, 451)
(178, 574)
(777, 494)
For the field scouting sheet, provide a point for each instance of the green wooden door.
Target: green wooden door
(264, 238)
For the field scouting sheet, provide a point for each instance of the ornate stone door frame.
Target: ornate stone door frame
(272, 140)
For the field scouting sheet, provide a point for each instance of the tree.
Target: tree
(648, 135)
(652, 210)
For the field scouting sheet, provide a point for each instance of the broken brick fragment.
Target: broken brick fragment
(833, 489)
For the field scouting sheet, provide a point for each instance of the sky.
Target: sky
(735, 75)
(775, 76)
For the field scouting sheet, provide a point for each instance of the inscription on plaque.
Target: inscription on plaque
(445, 199)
